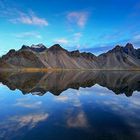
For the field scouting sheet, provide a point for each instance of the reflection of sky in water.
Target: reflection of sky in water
(85, 114)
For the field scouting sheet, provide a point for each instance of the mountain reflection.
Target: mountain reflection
(56, 82)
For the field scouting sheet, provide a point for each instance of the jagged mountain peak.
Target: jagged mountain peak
(116, 48)
(57, 57)
(129, 46)
(88, 55)
(57, 47)
(75, 53)
(129, 49)
(24, 47)
(12, 51)
(37, 48)
(9, 54)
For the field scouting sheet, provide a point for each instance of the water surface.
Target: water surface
(70, 105)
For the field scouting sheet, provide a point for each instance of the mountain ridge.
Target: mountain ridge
(39, 56)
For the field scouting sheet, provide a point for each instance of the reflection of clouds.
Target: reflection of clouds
(78, 121)
(76, 103)
(27, 103)
(73, 109)
(31, 119)
(61, 98)
(73, 119)
(127, 108)
(13, 126)
(97, 96)
(70, 98)
(136, 102)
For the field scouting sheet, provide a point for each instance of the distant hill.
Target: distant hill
(38, 56)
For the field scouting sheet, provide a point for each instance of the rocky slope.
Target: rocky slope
(120, 58)
(38, 56)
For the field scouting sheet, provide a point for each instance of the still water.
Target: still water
(70, 105)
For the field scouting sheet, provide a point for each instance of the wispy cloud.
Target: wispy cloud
(61, 41)
(30, 19)
(28, 35)
(16, 15)
(136, 37)
(72, 40)
(79, 18)
(135, 40)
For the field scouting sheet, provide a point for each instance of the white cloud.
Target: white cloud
(15, 15)
(79, 18)
(61, 41)
(30, 19)
(136, 37)
(135, 40)
(28, 35)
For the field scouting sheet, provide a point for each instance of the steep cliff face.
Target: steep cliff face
(3, 64)
(22, 58)
(120, 58)
(38, 56)
(61, 58)
(54, 57)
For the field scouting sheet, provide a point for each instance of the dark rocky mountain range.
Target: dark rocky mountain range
(38, 56)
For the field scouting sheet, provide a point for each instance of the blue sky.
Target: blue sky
(87, 25)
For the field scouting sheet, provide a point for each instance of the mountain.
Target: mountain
(120, 58)
(38, 56)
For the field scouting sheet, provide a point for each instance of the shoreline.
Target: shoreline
(59, 69)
